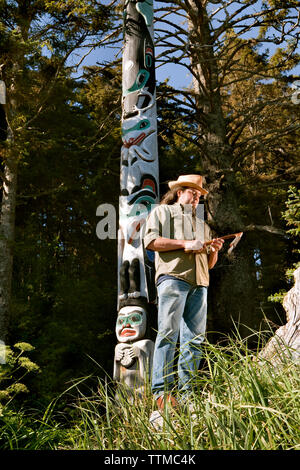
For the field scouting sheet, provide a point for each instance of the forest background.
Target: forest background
(236, 121)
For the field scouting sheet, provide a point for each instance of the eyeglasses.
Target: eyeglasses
(134, 319)
(195, 193)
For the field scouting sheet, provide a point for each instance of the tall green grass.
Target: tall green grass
(240, 404)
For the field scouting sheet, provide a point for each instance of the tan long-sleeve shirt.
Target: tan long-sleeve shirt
(177, 222)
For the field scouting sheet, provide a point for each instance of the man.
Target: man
(176, 233)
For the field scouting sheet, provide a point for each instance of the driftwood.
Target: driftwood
(285, 344)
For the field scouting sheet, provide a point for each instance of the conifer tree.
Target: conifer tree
(240, 123)
(39, 40)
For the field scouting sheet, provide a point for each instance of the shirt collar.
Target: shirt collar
(187, 209)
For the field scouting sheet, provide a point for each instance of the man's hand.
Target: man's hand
(194, 246)
(217, 244)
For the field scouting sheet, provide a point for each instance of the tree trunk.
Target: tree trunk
(7, 229)
(285, 344)
(215, 152)
(232, 274)
(8, 203)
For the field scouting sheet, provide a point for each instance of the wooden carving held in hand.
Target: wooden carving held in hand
(236, 236)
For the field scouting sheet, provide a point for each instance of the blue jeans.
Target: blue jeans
(182, 311)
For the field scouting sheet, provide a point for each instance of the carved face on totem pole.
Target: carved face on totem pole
(131, 324)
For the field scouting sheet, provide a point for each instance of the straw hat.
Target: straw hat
(191, 181)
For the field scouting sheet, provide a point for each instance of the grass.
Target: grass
(240, 404)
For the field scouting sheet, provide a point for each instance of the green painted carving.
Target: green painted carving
(144, 124)
(146, 10)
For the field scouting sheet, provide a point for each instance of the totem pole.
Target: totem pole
(138, 192)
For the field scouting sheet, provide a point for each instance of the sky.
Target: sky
(178, 75)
